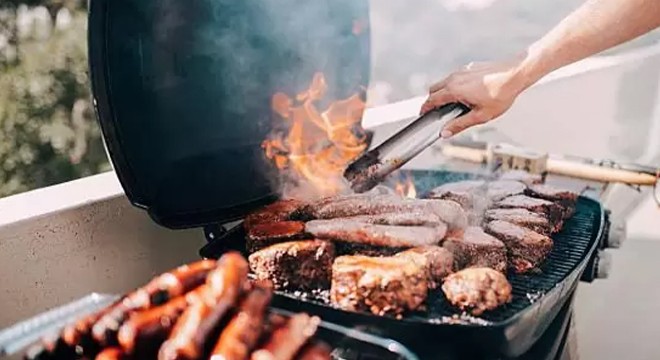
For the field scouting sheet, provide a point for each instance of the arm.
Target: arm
(491, 88)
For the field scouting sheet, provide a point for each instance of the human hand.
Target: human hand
(488, 89)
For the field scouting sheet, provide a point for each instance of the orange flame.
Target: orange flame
(406, 187)
(318, 145)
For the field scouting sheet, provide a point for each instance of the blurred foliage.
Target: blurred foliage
(48, 133)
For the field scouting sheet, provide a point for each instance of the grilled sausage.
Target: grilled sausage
(376, 235)
(158, 291)
(243, 331)
(112, 353)
(220, 293)
(144, 332)
(315, 350)
(415, 218)
(287, 340)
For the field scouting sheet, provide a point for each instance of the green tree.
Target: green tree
(48, 133)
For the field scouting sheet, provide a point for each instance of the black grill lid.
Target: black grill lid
(182, 91)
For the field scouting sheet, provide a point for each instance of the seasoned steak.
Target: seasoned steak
(498, 190)
(522, 217)
(381, 285)
(376, 235)
(527, 249)
(262, 235)
(477, 289)
(415, 218)
(565, 198)
(474, 248)
(522, 176)
(449, 212)
(299, 265)
(438, 261)
(278, 211)
(463, 192)
(553, 211)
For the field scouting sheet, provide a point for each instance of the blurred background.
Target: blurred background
(48, 133)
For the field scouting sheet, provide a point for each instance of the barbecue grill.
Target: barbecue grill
(442, 331)
(183, 95)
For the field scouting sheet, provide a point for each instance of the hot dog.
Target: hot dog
(158, 291)
(287, 340)
(219, 294)
(243, 331)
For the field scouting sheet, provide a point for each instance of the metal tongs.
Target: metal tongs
(372, 167)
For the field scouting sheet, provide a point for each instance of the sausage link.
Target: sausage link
(287, 340)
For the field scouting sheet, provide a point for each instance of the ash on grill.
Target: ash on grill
(386, 243)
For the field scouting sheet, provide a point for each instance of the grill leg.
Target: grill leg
(570, 350)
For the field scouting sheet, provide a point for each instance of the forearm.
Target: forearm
(596, 26)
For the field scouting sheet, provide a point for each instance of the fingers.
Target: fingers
(461, 123)
(439, 85)
(437, 99)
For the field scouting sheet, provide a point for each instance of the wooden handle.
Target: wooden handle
(562, 167)
(598, 173)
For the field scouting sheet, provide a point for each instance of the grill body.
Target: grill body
(509, 331)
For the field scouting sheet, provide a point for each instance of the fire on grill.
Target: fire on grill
(207, 309)
(383, 252)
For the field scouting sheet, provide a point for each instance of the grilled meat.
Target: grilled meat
(156, 292)
(381, 285)
(375, 235)
(241, 334)
(219, 295)
(315, 350)
(527, 249)
(565, 198)
(524, 218)
(415, 218)
(112, 353)
(477, 289)
(498, 190)
(552, 211)
(463, 192)
(522, 176)
(449, 212)
(262, 235)
(438, 261)
(287, 340)
(299, 265)
(474, 248)
(278, 211)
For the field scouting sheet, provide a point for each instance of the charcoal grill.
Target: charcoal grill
(509, 331)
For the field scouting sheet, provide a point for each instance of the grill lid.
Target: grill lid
(182, 91)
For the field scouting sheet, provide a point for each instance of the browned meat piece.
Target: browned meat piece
(299, 265)
(241, 334)
(266, 234)
(565, 198)
(477, 289)
(522, 176)
(315, 350)
(416, 218)
(278, 211)
(376, 235)
(474, 248)
(450, 212)
(498, 190)
(463, 192)
(221, 292)
(438, 261)
(381, 285)
(287, 340)
(522, 217)
(553, 211)
(526, 249)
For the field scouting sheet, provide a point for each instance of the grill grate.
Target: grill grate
(571, 247)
